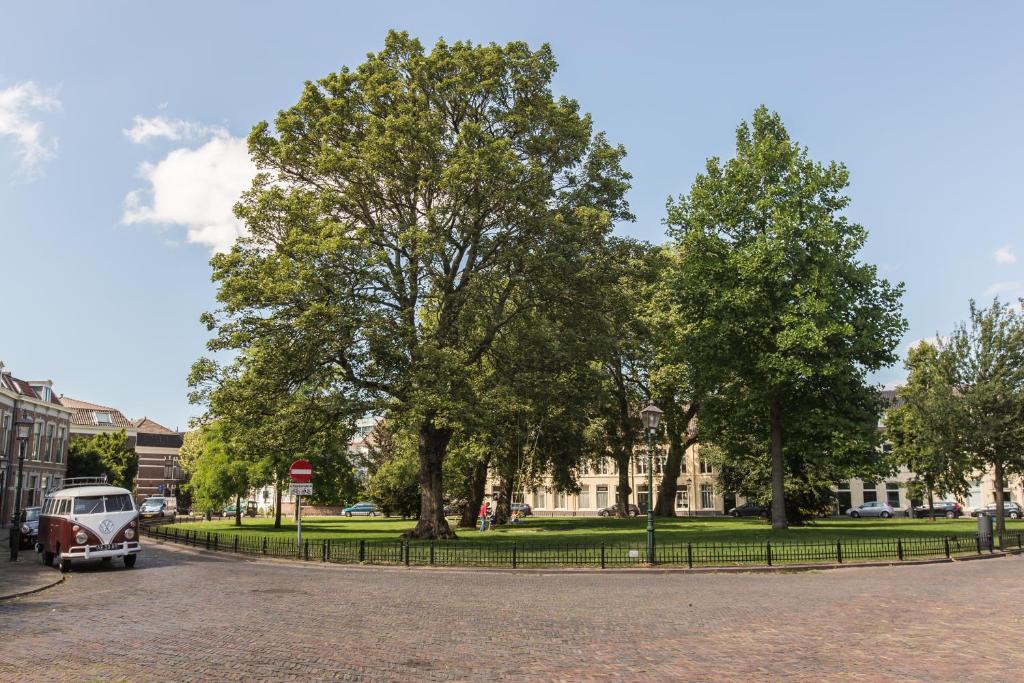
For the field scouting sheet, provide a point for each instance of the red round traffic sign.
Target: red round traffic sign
(301, 471)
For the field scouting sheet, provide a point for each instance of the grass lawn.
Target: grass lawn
(596, 530)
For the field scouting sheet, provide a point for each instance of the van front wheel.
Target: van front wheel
(129, 561)
(65, 565)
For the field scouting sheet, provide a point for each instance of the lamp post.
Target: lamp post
(22, 428)
(651, 417)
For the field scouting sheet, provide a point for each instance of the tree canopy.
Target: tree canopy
(107, 454)
(406, 213)
(783, 319)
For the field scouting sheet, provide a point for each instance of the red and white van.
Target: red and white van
(88, 519)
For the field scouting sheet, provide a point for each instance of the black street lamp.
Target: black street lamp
(22, 428)
(651, 417)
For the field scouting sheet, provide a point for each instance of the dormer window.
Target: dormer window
(103, 418)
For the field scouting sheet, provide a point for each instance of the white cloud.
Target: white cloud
(196, 188)
(146, 128)
(1004, 288)
(1005, 256)
(19, 106)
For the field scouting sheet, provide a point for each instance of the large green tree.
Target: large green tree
(217, 469)
(776, 305)
(404, 214)
(107, 454)
(926, 429)
(989, 351)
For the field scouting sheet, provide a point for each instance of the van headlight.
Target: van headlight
(129, 534)
(81, 538)
(25, 529)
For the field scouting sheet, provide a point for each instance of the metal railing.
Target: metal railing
(603, 555)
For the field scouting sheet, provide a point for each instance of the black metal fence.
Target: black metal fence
(513, 555)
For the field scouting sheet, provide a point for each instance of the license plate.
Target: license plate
(108, 546)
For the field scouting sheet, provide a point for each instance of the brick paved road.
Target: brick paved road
(184, 616)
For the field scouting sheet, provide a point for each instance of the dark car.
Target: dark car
(522, 509)
(29, 526)
(943, 508)
(749, 510)
(612, 510)
(1010, 509)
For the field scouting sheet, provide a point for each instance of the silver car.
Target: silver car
(875, 508)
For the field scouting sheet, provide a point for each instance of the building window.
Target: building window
(641, 465)
(707, 497)
(602, 496)
(60, 445)
(37, 436)
(892, 493)
(5, 431)
(103, 418)
(870, 492)
(538, 498)
(168, 471)
(843, 498)
(682, 498)
(601, 466)
(705, 467)
(583, 501)
(561, 500)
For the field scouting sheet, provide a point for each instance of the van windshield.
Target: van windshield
(91, 505)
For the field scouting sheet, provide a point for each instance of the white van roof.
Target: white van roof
(79, 491)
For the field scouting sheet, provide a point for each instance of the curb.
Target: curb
(60, 579)
(783, 569)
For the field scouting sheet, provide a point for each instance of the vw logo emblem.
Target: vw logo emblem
(106, 526)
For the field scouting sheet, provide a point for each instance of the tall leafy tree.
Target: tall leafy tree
(106, 454)
(775, 304)
(926, 428)
(405, 213)
(217, 470)
(989, 350)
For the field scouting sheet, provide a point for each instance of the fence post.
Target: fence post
(407, 553)
(899, 549)
(945, 542)
(207, 540)
(839, 551)
(1019, 540)
(977, 542)
(768, 552)
(305, 549)
(689, 555)
(362, 550)
(432, 560)
(323, 551)
(991, 540)
(264, 545)
(236, 544)
(515, 558)
(175, 535)
(602, 556)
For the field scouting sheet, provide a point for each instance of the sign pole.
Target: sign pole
(298, 501)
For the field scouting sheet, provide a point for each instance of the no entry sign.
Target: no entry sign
(301, 472)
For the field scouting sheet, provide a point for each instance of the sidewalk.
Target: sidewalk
(27, 575)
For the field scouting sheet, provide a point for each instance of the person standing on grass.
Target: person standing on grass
(483, 516)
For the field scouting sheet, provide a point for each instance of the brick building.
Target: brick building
(158, 448)
(91, 419)
(47, 448)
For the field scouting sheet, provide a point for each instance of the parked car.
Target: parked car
(249, 509)
(612, 510)
(943, 508)
(522, 509)
(364, 508)
(1010, 509)
(29, 527)
(875, 508)
(749, 510)
(158, 507)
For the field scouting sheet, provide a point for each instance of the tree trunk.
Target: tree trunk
(666, 505)
(238, 510)
(432, 447)
(622, 499)
(475, 495)
(277, 504)
(779, 520)
(506, 489)
(999, 482)
(931, 504)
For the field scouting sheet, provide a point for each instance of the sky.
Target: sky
(122, 130)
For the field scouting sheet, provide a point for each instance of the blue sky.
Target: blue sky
(120, 127)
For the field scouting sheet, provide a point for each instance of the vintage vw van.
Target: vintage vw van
(88, 519)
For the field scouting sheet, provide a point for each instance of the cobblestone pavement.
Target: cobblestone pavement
(186, 616)
(24, 576)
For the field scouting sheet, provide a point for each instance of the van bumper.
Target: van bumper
(88, 553)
